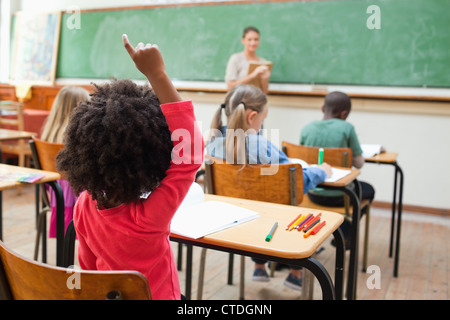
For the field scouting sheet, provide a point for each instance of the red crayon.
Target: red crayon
(316, 229)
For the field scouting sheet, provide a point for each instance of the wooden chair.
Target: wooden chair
(25, 279)
(11, 117)
(44, 158)
(285, 186)
(339, 157)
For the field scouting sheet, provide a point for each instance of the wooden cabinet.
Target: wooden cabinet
(42, 97)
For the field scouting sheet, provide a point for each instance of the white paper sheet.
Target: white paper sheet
(201, 219)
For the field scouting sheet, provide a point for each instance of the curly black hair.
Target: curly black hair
(117, 145)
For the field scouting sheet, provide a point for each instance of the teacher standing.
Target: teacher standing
(238, 64)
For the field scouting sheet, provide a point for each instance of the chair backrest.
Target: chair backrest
(44, 154)
(284, 186)
(338, 157)
(11, 115)
(25, 279)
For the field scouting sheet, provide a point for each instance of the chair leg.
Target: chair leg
(230, 268)
(180, 257)
(242, 279)
(272, 269)
(307, 283)
(201, 274)
(366, 239)
(41, 220)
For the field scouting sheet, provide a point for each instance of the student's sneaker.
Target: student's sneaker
(260, 275)
(293, 282)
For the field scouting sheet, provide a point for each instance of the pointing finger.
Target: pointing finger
(128, 45)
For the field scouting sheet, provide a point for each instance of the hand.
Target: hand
(149, 61)
(148, 58)
(259, 70)
(325, 167)
(265, 75)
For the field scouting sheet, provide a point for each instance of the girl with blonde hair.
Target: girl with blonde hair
(67, 99)
(239, 142)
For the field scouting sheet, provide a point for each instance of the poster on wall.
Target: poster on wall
(35, 50)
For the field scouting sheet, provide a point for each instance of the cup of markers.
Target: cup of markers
(309, 224)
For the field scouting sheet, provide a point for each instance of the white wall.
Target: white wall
(422, 142)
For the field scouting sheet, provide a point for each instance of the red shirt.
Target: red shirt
(136, 236)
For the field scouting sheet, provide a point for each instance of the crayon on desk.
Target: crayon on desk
(317, 229)
(293, 221)
(306, 226)
(304, 222)
(314, 231)
(311, 225)
(296, 223)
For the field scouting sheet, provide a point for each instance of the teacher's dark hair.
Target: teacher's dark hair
(248, 29)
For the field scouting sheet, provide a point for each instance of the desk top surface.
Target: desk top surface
(385, 157)
(7, 134)
(6, 169)
(250, 236)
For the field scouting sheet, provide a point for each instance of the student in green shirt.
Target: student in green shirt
(333, 131)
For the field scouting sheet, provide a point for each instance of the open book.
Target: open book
(336, 174)
(197, 218)
(255, 64)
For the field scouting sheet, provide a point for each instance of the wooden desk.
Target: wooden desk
(7, 134)
(50, 178)
(390, 158)
(355, 197)
(291, 248)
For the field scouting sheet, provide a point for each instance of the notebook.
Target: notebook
(197, 218)
(370, 150)
(336, 174)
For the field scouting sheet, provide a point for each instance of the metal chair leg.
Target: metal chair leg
(366, 239)
(201, 274)
(41, 220)
(242, 279)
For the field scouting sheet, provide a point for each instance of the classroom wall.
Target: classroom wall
(422, 141)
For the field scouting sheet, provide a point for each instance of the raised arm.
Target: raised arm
(149, 61)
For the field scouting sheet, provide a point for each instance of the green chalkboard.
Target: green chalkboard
(309, 41)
